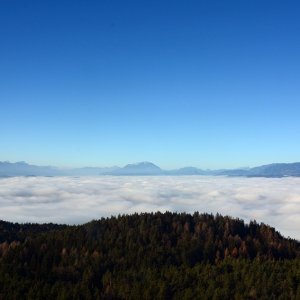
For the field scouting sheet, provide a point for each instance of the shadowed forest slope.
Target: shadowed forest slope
(148, 256)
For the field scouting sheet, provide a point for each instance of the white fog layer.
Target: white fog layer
(77, 200)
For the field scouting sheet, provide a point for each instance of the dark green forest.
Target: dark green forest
(148, 256)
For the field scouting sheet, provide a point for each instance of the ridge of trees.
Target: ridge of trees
(149, 256)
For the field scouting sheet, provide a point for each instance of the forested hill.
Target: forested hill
(148, 256)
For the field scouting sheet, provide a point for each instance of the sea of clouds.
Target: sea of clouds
(75, 200)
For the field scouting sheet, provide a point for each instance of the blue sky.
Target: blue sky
(203, 83)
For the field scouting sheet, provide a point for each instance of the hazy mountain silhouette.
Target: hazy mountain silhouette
(147, 168)
(142, 168)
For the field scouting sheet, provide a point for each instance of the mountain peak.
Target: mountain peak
(140, 168)
(142, 164)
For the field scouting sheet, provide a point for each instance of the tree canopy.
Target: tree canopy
(149, 256)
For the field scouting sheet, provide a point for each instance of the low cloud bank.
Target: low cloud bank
(77, 200)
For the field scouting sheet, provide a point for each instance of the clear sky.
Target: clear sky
(203, 83)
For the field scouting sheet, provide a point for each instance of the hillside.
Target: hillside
(148, 256)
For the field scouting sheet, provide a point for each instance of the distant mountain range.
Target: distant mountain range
(8, 169)
(24, 169)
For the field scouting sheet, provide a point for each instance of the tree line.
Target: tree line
(149, 256)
